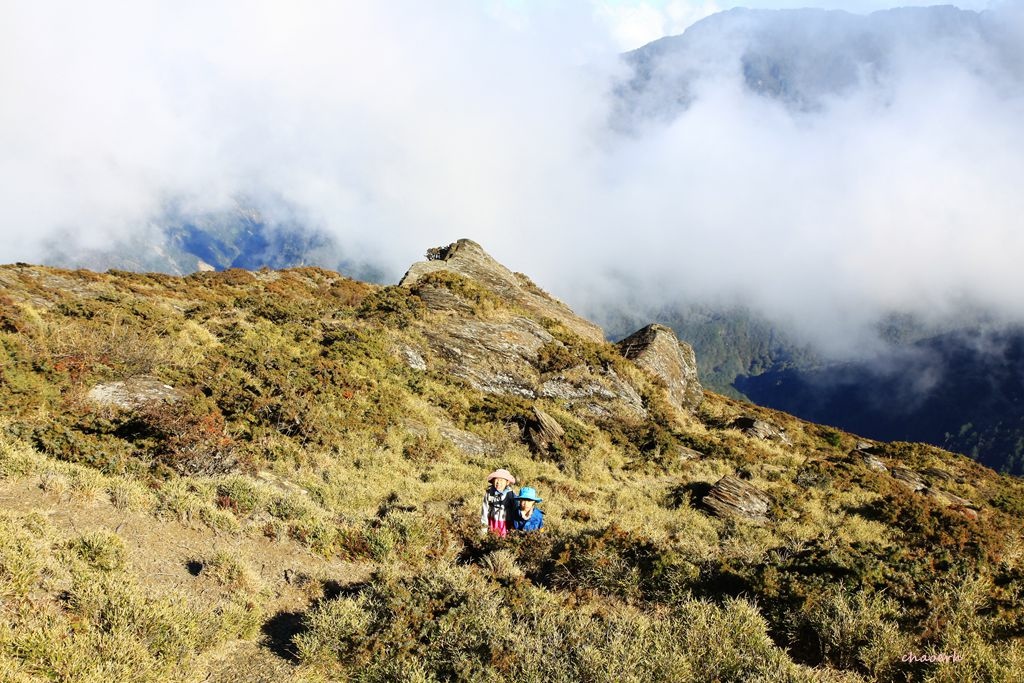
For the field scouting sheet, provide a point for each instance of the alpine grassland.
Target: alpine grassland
(277, 475)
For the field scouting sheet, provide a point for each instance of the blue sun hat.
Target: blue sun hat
(529, 493)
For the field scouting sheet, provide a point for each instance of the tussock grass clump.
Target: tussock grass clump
(855, 630)
(101, 550)
(23, 556)
(230, 572)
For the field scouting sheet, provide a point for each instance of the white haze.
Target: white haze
(395, 126)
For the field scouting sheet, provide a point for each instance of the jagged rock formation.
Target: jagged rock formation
(733, 497)
(657, 349)
(489, 332)
(468, 259)
(496, 357)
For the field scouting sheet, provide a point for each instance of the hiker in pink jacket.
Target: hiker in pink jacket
(499, 507)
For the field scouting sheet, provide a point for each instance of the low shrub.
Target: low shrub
(453, 623)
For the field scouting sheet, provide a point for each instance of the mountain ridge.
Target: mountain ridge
(330, 421)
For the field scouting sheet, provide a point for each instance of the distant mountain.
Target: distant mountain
(962, 390)
(180, 243)
(959, 388)
(804, 57)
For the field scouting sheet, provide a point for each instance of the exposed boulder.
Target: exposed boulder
(969, 513)
(687, 454)
(544, 433)
(412, 358)
(759, 429)
(657, 349)
(909, 478)
(941, 475)
(467, 442)
(595, 392)
(468, 259)
(733, 497)
(438, 298)
(868, 447)
(133, 393)
(870, 460)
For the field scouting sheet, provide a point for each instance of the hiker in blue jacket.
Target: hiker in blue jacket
(528, 517)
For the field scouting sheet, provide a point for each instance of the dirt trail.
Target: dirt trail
(166, 555)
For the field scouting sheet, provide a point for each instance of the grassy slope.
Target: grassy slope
(297, 378)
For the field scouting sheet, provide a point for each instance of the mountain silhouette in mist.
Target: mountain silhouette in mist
(801, 57)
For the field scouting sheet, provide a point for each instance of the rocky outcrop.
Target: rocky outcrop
(733, 497)
(544, 433)
(867, 447)
(467, 442)
(413, 358)
(490, 334)
(869, 460)
(657, 349)
(133, 393)
(687, 454)
(594, 391)
(759, 429)
(941, 475)
(494, 357)
(468, 259)
(909, 478)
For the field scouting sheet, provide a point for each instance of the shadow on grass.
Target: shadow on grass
(280, 632)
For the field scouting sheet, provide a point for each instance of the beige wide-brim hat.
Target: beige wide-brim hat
(502, 474)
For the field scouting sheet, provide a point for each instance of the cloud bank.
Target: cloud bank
(397, 126)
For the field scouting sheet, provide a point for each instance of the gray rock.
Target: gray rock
(687, 454)
(494, 357)
(468, 259)
(759, 429)
(657, 349)
(133, 393)
(441, 299)
(871, 461)
(544, 433)
(467, 442)
(413, 358)
(909, 478)
(733, 497)
(969, 513)
(941, 475)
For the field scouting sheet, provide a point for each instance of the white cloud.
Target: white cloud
(397, 126)
(633, 24)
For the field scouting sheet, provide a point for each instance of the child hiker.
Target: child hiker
(529, 518)
(499, 508)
